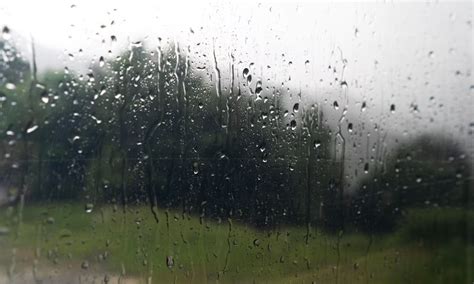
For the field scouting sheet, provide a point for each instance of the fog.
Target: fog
(409, 64)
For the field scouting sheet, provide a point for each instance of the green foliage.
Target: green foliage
(143, 127)
(429, 171)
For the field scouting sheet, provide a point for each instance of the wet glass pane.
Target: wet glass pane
(184, 142)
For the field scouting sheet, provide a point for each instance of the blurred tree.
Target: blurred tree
(429, 171)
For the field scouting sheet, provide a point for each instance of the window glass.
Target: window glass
(236, 142)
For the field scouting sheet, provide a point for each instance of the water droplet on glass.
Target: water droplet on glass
(101, 61)
(89, 207)
(317, 144)
(85, 264)
(349, 127)
(392, 108)
(10, 86)
(356, 265)
(293, 124)
(296, 107)
(91, 77)
(31, 129)
(335, 105)
(44, 97)
(258, 88)
(6, 33)
(366, 168)
(169, 261)
(245, 73)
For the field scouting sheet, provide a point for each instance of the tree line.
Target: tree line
(147, 128)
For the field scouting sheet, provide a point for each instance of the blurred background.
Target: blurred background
(232, 142)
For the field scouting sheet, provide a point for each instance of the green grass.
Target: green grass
(132, 243)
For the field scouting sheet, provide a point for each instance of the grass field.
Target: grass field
(65, 239)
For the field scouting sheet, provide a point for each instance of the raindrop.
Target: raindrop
(89, 207)
(419, 180)
(101, 61)
(249, 79)
(317, 144)
(296, 107)
(258, 88)
(366, 168)
(349, 127)
(364, 106)
(31, 129)
(335, 105)
(10, 86)
(85, 264)
(392, 108)
(44, 97)
(245, 73)
(91, 77)
(2, 97)
(6, 33)
(113, 38)
(256, 242)
(169, 261)
(293, 124)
